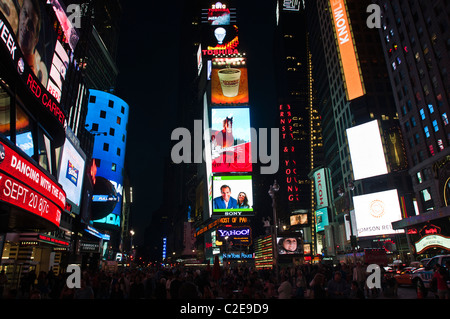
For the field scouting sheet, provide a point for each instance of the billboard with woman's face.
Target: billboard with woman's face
(290, 245)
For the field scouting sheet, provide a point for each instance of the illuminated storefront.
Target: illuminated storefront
(34, 204)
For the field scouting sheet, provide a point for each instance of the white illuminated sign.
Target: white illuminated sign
(366, 150)
(432, 241)
(376, 212)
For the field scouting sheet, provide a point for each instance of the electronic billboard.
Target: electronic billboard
(232, 195)
(231, 140)
(229, 81)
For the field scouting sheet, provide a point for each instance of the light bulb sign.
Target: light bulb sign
(222, 39)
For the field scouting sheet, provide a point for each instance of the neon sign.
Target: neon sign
(288, 135)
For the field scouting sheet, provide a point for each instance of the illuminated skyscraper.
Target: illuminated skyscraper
(415, 41)
(299, 121)
(352, 89)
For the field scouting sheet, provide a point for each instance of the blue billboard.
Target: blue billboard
(107, 120)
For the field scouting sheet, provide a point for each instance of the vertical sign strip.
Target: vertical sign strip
(347, 51)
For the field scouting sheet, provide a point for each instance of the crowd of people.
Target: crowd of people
(309, 281)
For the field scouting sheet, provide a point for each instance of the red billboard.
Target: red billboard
(25, 185)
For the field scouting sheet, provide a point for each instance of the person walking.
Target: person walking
(285, 289)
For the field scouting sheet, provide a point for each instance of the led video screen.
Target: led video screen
(376, 212)
(220, 38)
(321, 218)
(232, 196)
(71, 172)
(366, 150)
(231, 140)
(229, 81)
(290, 245)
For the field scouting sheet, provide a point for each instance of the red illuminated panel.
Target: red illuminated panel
(346, 49)
(17, 194)
(53, 240)
(21, 169)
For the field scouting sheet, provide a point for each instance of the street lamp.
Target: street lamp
(272, 192)
(341, 192)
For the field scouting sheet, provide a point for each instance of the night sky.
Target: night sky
(148, 62)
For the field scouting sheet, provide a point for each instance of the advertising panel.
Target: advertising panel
(290, 245)
(321, 183)
(321, 218)
(347, 50)
(375, 213)
(232, 196)
(231, 140)
(31, 50)
(430, 241)
(207, 154)
(298, 219)
(219, 14)
(222, 39)
(71, 172)
(366, 150)
(229, 81)
(26, 186)
(238, 235)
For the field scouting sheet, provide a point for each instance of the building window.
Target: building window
(94, 127)
(122, 110)
(111, 131)
(92, 99)
(106, 147)
(419, 177)
(111, 104)
(413, 121)
(118, 151)
(430, 107)
(422, 114)
(427, 132)
(445, 118)
(435, 125)
(427, 201)
(417, 138)
(113, 167)
(119, 120)
(103, 114)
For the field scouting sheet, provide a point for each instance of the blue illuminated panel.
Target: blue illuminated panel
(107, 119)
